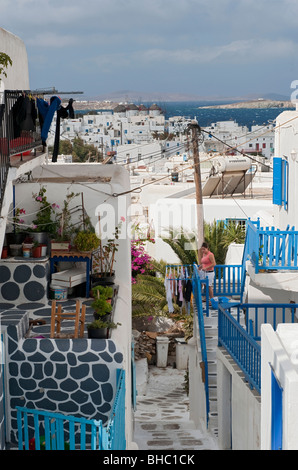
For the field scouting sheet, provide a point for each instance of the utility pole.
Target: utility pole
(195, 131)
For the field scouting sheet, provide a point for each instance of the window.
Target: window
(280, 182)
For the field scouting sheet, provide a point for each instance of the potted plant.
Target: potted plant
(66, 229)
(86, 241)
(99, 329)
(104, 259)
(18, 234)
(36, 249)
(45, 223)
(102, 309)
(106, 292)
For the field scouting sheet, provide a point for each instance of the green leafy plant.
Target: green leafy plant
(99, 324)
(86, 241)
(45, 220)
(66, 228)
(101, 306)
(184, 245)
(104, 258)
(105, 292)
(17, 220)
(5, 61)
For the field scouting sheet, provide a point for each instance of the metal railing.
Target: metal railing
(243, 343)
(227, 280)
(196, 286)
(42, 430)
(15, 138)
(116, 424)
(271, 248)
(245, 351)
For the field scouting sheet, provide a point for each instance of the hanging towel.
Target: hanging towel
(47, 112)
(169, 295)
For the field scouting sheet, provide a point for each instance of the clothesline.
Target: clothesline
(178, 285)
(175, 272)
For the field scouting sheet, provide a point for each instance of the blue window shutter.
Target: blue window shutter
(277, 181)
(285, 176)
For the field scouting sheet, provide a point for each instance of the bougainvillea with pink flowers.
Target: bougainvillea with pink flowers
(141, 262)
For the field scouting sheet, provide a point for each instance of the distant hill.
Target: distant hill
(254, 104)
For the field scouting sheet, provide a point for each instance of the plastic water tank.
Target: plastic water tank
(223, 164)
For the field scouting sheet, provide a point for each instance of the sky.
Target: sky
(204, 48)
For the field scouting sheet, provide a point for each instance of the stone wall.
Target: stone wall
(145, 345)
(69, 376)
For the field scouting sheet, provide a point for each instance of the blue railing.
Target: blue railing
(271, 248)
(54, 431)
(245, 351)
(243, 343)
(116, 424)
(227, 280)
(42, 430)
(196, 285)
(13, 141)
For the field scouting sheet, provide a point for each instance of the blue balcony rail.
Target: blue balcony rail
(42, 430)
(243, 343)
(227, 279)
(13, 139)
(197, 292)
(245, 351)
(271, 248)
(54, 431)
(273, 313)
(116, 424)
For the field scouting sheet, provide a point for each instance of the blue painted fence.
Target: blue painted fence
(44, 430)
(243, 343)
(197, 293)
(271, 248)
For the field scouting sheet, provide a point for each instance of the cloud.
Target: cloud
(243, 51)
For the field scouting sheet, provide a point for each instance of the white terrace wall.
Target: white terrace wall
(239, 407)
(286, 145)
(279, 355)
(98, 184)
(17, 74)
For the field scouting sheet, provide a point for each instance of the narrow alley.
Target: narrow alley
(162, 416)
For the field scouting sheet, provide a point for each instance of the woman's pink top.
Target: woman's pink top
(205, 262)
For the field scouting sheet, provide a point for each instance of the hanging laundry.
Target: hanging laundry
(61, 114)
(46, 113)
(24, 115)
(70, 109)
(169, 291)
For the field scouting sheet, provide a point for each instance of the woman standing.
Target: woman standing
(207, 263)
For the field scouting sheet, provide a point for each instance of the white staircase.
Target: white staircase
(211, 336)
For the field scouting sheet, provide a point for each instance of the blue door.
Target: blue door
(276, 413)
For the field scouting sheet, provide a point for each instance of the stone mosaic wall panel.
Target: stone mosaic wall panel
(24, 281)
(69, 376)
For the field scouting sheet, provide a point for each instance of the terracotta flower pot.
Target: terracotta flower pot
(36, 251)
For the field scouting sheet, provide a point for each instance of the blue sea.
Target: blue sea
(205, 117)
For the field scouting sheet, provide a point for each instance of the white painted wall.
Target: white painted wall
(286, 145)
(239, 407)
(279, 352)
(17, 74)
